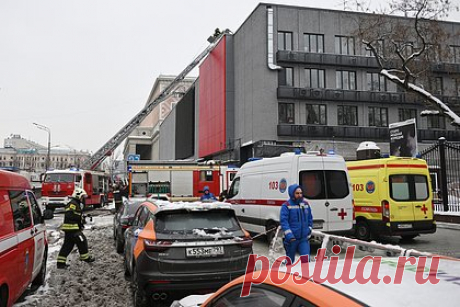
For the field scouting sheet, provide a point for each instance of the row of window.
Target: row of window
(346, 80)
(347, 115)
(346, 45)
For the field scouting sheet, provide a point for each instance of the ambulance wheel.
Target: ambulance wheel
(362, 231)
(48, 214)
(408, 237)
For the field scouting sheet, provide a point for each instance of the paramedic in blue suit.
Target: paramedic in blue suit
(297, 222)
(207, 195)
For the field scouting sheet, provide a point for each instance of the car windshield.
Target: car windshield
(59, 178)
(198, 223)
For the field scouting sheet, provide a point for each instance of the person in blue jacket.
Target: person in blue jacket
(207, 196)
(296, 221)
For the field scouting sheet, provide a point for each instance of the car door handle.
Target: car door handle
(242, 210)
(334, 209)
(418, 206)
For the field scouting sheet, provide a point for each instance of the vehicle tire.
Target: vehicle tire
(408, 237)
(119, 245)
(3, 296)
(48, 214)
(139, 298)
(270, 235)
(125, 264)
(40, 278)
(362, 231)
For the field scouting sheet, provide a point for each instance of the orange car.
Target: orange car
(289, 293)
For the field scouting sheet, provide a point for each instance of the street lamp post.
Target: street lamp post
(47, 163)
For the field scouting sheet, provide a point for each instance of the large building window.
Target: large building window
(346, 80)
(456, 83)
(345, 45)
(285, 41)
(314, 78)
(405, 114)
(454, 56)
(347, 115)
(316, 114)
(378, 117)
(376, 82)
(436, 121)
(379, 45)
(436, 85)
(286, 76)
(313, 43)
(286, 113)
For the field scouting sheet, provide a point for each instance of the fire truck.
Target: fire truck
(178, 180)
(58, 186)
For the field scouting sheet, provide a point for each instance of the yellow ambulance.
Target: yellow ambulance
(392, 197)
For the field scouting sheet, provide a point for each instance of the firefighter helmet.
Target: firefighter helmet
(79, 193)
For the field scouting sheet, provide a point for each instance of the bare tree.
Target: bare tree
(407, 39)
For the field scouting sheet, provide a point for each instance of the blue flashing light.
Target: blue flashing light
(74, 169)
(385, 155)
(254, 159)
(331, 152)
(297, 151)
(418, 155)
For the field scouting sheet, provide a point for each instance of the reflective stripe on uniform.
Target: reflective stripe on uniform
(65, 227)
(84, 256)
(61, 259)
(287, 231)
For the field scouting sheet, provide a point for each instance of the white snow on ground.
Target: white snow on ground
(102, 283)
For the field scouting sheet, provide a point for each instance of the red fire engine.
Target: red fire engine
(178, 180)
(58, 186)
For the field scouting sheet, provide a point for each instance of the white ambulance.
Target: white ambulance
(261, 187)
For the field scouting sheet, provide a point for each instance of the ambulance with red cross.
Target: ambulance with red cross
(23, 243)
(260, 188)
(393, 197)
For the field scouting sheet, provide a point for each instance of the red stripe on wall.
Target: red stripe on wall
(259, 202)
(368, 209)
(408, 165)
(366, 166)
(351, 168)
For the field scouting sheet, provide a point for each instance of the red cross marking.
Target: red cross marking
(424, 209)
(342, 214)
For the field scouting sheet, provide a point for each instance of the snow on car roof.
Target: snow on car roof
(191, 206)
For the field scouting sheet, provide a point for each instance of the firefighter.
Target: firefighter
(117, 197)
(72, 227)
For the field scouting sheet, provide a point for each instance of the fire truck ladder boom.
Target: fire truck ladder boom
(116, 140)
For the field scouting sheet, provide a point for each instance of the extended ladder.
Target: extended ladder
(116, 140)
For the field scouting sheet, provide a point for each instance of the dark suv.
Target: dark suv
(178, 249)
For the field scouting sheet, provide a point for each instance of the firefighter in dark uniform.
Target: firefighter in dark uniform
(117, 197)
(72, 227)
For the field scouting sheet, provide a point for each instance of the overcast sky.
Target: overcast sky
(85, 68)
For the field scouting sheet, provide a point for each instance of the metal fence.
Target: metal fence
(443, 160)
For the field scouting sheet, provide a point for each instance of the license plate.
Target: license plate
(211, 251)
(404, 226)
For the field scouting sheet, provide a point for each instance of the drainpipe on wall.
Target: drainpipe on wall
(270, 40)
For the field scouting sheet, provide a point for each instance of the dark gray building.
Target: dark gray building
(296, 77)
